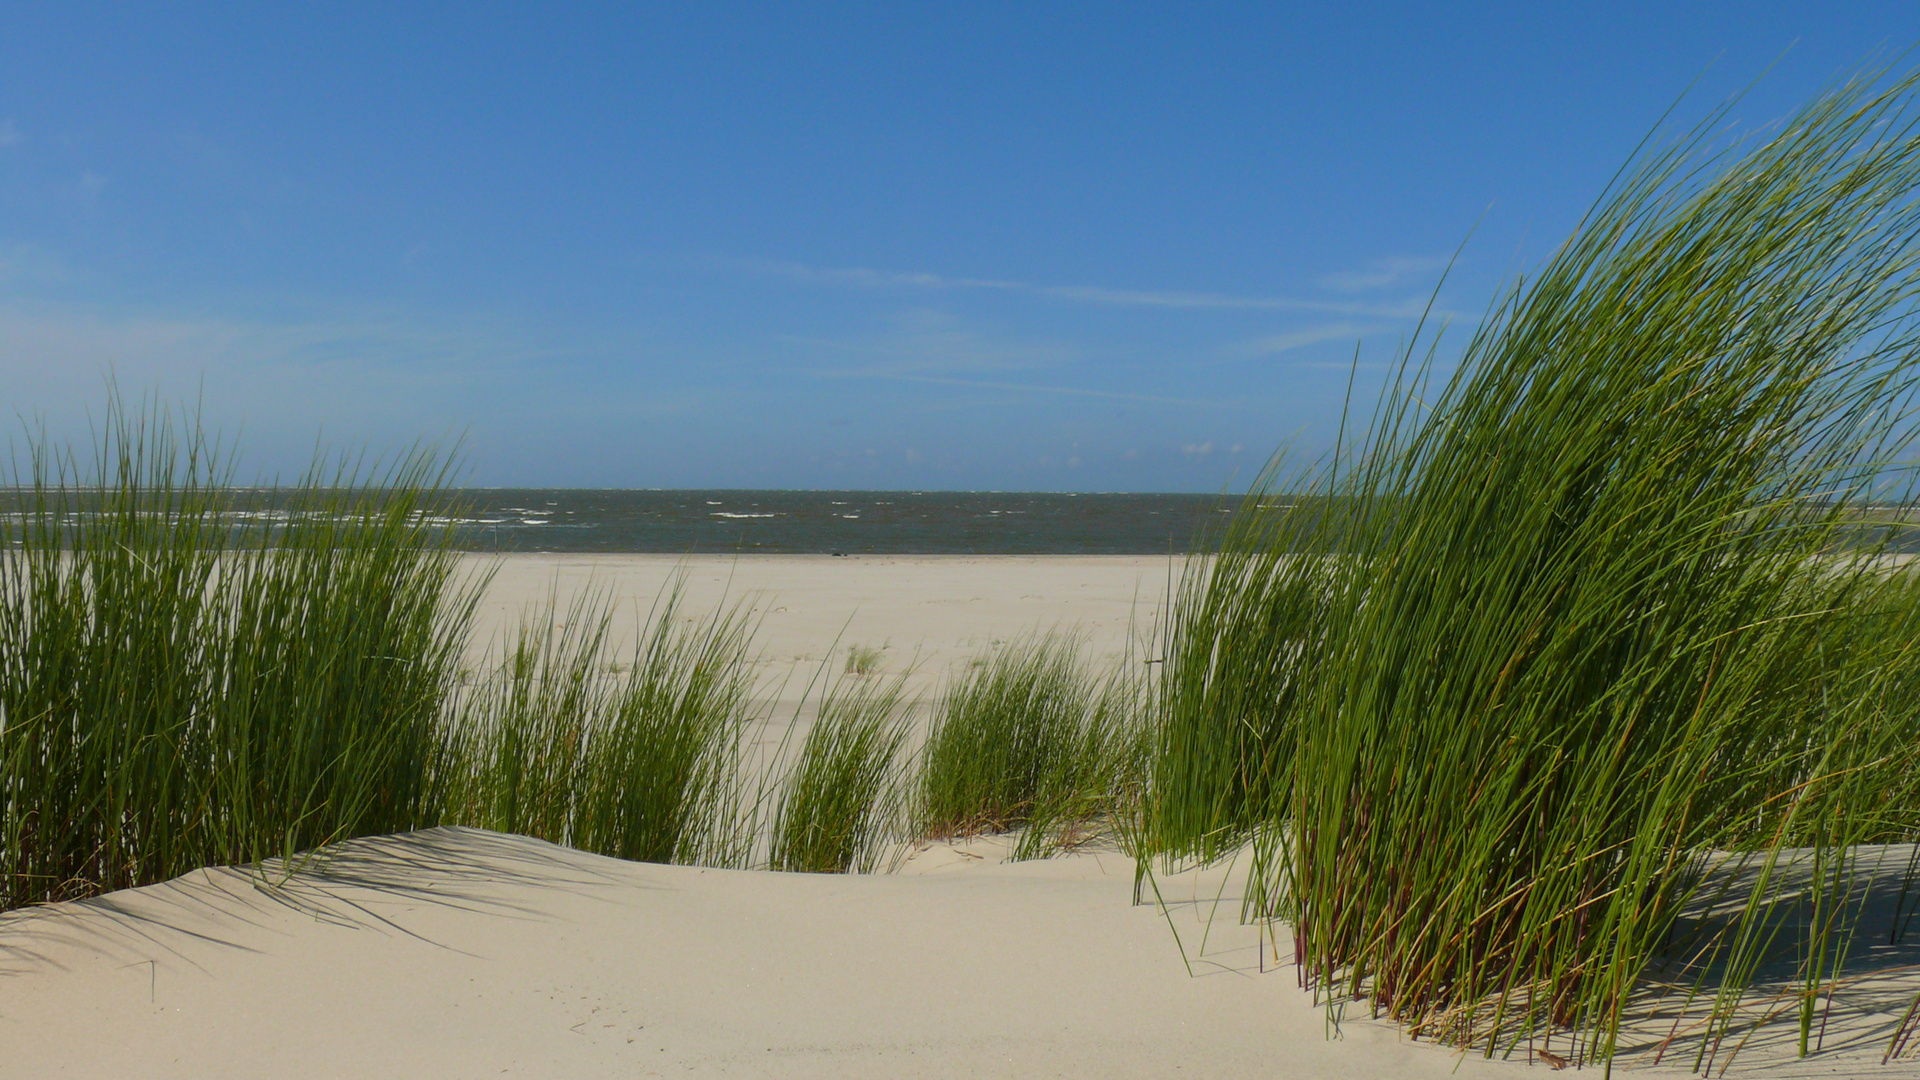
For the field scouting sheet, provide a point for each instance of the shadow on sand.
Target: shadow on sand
(366, 883)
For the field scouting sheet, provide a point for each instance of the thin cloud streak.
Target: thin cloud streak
(861, 276)
(986, 384)
(1408, 309)
(1385, 272)
(278, 370)
(927, 342)
(1275, 344)
(1085, 294)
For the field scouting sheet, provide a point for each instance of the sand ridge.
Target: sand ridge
(457, 953)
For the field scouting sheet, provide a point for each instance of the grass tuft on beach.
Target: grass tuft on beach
(193, 674)
(636, 758)
(1592, 619)
(1027, 737)
(839, 806)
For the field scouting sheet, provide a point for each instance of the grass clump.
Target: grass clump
(1243, 637)
(863, 660)
(1025, 738)
(637, 760)
(1596, 617)
(193, 674)
(1094, 788)
(839, 800)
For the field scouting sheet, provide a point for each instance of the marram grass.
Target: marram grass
(1492, 687)
(196, 674)
(1241, 637)
(1027, 737)
(192, 674)
(839, 803)
(1500, 692)
(1094, 788)
(636, 757)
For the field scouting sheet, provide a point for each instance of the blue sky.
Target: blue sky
(979, 246)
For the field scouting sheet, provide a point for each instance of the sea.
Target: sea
(616, 521)
(834, 522)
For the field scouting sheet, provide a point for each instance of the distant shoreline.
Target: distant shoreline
(722, 522)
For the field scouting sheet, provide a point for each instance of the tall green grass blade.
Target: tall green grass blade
(637, 760)
(1489, 689)
(840, 799)
(194, 674)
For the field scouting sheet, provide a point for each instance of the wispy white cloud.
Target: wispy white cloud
(861, 276)
(937, 348)
(10, 132)
(1037, 388)
(1085, 294)
(924, 341)
(1382, 274)
(1275, 344)
(1204, 449)
(1219, 301)
(61, 338)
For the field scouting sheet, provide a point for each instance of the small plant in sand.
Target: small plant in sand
(864, 659)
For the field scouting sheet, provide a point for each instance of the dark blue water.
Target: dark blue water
(824, 522)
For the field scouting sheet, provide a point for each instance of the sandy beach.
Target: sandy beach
(463, 953)
(927, 614)
(1219, 541)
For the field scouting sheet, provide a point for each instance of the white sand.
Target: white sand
(457, 953)
(926, 613)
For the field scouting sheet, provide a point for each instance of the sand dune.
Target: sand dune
(462, 953)
(459, 953)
